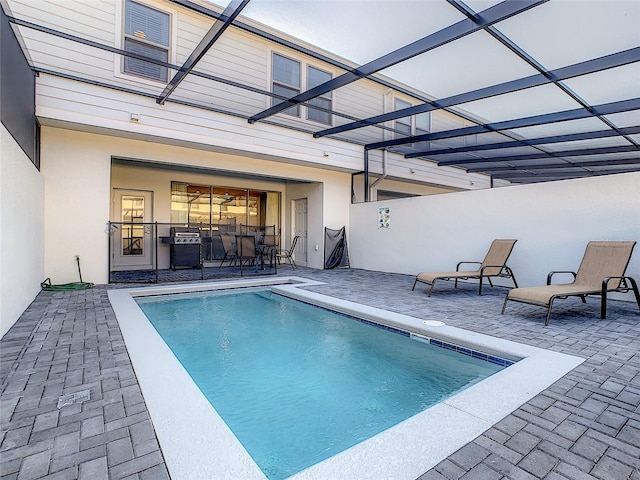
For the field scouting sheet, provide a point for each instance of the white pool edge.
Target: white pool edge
(196, 442)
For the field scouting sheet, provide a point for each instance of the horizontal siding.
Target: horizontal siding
(237, 56)
(93, 20)
(69, 99)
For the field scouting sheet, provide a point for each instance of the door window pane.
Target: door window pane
(132, 227)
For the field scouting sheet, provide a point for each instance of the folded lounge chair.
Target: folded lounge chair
(601, 271)
(493, 265)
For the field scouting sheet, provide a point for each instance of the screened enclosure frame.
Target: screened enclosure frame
(507, 149)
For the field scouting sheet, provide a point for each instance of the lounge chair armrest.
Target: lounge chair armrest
(501, 267)
(551, 274)
(623, 283)
(460, 263)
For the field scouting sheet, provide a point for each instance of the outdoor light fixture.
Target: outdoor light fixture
(135, 117)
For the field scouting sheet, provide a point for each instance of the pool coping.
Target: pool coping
(196, 442)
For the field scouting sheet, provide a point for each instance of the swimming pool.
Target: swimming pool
(197, 443)
(278, 369)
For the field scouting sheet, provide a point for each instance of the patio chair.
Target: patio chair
(493, 265)
(229, 249)
(601, 271)
(288, 254)
(269, 246)
(247, 251)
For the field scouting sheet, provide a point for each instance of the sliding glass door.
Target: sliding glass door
(217, 209)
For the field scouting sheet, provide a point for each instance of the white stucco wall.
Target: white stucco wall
(551, 221)
(76, 208)
(21, 241)
(79, 179)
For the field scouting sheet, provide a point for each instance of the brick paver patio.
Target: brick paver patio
(585, 426)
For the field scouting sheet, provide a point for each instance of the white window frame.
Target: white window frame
(327, 97)
(411, 122)
(302, 110)
(274, 101)
(119, 41)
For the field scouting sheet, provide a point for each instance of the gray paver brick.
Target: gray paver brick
(73, 460)
(45, 421)
(432, 475)
(449, 469)
(67, 444)
(630, 435)
(70, 473)
(507, 468)
(482, 472)
(510, 425)
(93, 469)
(522, 442)
(589, 447)
(610, 469)
(570, 430)
(585, 423)
(119, 451)
(137, 464)
(92, 426)
(35, 466)
(17, 437)
(612, 419)
(159, 472)
(538, 463)
(469, 455)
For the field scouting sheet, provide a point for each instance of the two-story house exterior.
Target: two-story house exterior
(106, 142)
(117, 139)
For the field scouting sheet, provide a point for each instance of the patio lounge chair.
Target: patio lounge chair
(493, 265)
(601, 271)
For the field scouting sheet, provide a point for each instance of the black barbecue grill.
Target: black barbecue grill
(184, 243)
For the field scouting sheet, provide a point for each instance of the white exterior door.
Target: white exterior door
(131, 235)
(300, 229)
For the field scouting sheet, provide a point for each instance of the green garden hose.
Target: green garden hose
(46, 284)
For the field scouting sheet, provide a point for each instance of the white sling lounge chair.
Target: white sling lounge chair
(493, 265)
(601, 271)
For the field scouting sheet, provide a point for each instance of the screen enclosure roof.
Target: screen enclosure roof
(545, 89)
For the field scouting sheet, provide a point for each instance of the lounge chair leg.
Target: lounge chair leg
(414, 284)
(504, 305)
(634, 286)
(603, 305)
(513, 277)
(546, 322)
(480, 287)
(431, 289)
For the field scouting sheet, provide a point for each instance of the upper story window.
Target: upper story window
(287, 77)
(316, 77)
(286, 81)
(412, 125)
(146, 32)
(404, 124)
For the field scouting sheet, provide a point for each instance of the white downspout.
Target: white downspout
(384, 172)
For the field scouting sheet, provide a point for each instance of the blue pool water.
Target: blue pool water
(298, 384)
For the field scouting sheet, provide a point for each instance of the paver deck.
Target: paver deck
(585, 426)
